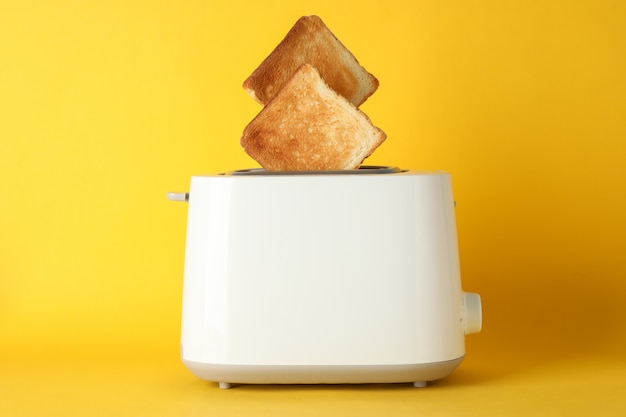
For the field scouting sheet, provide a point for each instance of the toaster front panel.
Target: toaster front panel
(322, 270)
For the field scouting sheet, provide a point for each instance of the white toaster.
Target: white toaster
(326, 277)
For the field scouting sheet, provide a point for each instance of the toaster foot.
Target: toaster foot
(419, 384)
(224, 385)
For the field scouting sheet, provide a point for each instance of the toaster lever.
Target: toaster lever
(178, 196)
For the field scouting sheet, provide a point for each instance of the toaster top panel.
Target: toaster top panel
(365, 169)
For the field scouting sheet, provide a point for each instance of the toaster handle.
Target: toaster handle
(178, 197)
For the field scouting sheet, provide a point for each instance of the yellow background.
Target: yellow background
(107, 105)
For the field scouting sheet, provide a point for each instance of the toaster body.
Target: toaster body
(324, 278)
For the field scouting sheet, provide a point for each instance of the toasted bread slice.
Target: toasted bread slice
(308, 126)
(311, 42)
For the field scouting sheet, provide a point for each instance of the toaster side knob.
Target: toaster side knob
(471, 313)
